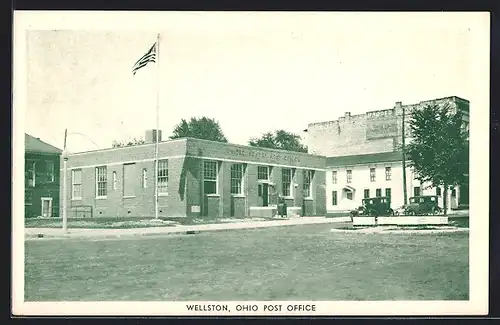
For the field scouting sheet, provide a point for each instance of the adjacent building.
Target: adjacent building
(195, 178)
(355, 177)
(371, 132)
(41, 178)
(364, 156)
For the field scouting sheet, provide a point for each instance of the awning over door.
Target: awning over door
(349, 188)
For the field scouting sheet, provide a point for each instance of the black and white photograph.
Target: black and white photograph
(250, 163)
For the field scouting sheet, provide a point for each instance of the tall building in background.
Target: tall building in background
(371, 132)
(364, 156)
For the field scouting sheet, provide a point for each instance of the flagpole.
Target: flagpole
(157, 120)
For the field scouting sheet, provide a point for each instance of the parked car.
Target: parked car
(374, 207)
(423, 205)
(400, 211)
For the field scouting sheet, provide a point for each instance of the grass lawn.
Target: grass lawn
(306, 262)
(122, 222)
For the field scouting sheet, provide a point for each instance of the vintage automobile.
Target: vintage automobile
(423, 205)
(374, 207)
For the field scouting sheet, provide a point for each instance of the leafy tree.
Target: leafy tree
(199, 128)
(280, 139)
(133, 142)
(439, 150)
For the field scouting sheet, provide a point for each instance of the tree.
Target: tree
(280, 139)
(199, 128)
(439, 150)
(133, 142)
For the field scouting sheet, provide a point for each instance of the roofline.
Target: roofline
(260, 148)
(43, 152)
(375, 110)
(186, 139)
(365, 163)
(125, 147)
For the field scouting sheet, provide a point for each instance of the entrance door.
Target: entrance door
(265, 195)
(46, 207)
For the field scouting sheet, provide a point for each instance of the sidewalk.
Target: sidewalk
(35, 233)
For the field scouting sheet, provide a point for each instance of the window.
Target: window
(286, 177)
(144, 178)
(334, 177)
(76, 183)
(334, 197)
(388, 173)
(367, 193)
(416, 191)
(210, 175)
(162, 176)
(101, 181)
(349, 195)
(263, 173)
(129, 180)
(438, 191)
(415, 175)
(307, 185)
(372, 174)
(388, 192)
(237, 179)
(30, 173)
(453, 192)
(50, 171)
(378, 192)
(114, 180)
(349, 175)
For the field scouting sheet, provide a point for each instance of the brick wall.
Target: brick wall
(185, 183)
(375, 131)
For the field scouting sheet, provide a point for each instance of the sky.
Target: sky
(252, 72)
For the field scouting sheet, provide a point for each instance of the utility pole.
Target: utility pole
(65, 185)
(405, 194)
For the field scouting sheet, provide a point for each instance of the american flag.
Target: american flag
(150, 56)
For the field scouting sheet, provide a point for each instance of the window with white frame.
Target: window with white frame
(162, 176)
(114, 180)
(334, 177)
(49, 168)
(307, 185)
(263, 173)
(101, 181)
(372, 174)
(287, 178)
(210, 176)
(349, 175)
(144, 178)
(388, 173)
(334, 197)
(30, 174)
(76, 184)
(378, 192)
(237, 172)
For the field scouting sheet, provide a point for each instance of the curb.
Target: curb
(401, 231)
(183, 232)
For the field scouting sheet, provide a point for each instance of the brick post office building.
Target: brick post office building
(195, 178)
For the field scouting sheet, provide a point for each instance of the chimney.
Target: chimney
(347, 114)
(399, 104)
(151, 136)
